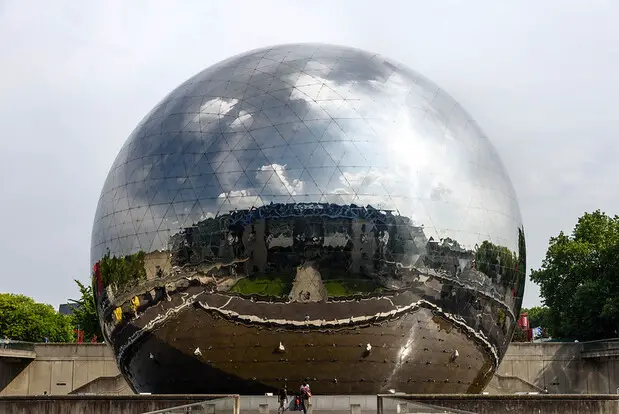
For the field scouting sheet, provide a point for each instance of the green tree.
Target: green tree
(23, 319)
(85, 312)
(539, 318)
(579, 279)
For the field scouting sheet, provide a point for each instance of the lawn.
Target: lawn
(263, 285)
(350, 287)
(280, 286)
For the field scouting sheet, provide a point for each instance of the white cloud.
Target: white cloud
(434, 158)
(242, 122)
(213, 108)
(278, 181)
(271, 180)
(236, 193)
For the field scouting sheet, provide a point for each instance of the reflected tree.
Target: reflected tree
(121, 271)
(498, 263)
(519, 335)
(522, 264)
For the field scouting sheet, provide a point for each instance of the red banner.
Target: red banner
(99, 282)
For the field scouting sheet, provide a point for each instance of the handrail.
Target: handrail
(235, 397)
(16, 345)
(413, 399)
(601, 340)
(600, 346)
(501, 376)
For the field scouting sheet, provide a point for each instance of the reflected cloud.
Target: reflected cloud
(309, 187)
(274, 177)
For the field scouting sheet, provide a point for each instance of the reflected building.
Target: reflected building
(312, 212)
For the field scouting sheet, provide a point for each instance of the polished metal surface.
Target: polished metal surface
(308, 211)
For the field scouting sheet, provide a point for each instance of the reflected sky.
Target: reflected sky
(305, 123)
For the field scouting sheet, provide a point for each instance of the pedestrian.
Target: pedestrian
(283, 398)
(306, 394)
(297, 402)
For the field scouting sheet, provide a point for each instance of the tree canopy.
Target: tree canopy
(85, 313)
(23, 319)
(579, 279)
(538, 316)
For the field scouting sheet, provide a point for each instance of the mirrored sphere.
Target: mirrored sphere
(308, 211)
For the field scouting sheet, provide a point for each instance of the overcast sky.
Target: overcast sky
(541, 78)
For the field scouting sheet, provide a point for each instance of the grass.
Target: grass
(350, 287)
(281, 285)
(263, 285)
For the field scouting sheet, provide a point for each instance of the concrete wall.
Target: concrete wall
(105, 386)
(10, 369)
(559, 367)
(333, 404)
(491, 404)
(58, 369)
(482, 404)
(96, 404)
(507, 384)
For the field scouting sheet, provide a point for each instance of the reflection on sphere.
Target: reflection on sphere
(308, 211)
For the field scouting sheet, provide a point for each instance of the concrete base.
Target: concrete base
(17, 353)
(490, 404)
(60, 369)
(357, 404)
(97, 404)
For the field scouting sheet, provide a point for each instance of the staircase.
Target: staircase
(113, 385)
(509, 384)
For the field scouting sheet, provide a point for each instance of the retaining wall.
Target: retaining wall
(60, 369)
(481, 404)
(521, 404)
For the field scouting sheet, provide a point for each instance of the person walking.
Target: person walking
(283, 398)
(306, 394)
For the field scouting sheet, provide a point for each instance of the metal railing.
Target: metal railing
(605, 345)
(215, 404)
(16, 345)
(406, 404)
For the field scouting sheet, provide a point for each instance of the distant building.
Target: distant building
(67, 308)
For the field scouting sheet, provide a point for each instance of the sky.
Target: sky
(540, 78)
